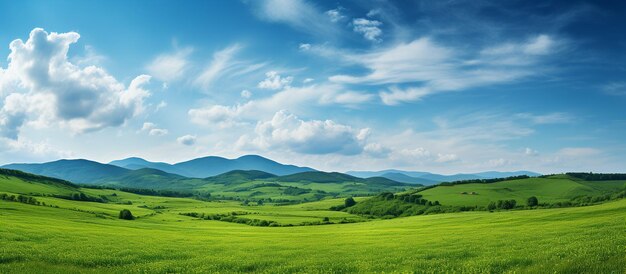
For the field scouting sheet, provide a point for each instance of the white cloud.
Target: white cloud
(299, 14)
(187, 140)
(153, 130)
(246, 94)
(308, 80)
(396, 95)
(221, 63)
(335, 15)
(445, 158)
(530, 152)
(42, 87)
(500, 162)
(161, 105)
(551, 118)
(304, 47)
(274, 81)
(577, 152)
(27, 151)
(216, 115)
(170, 66)
(431, 68)
(286, 131)
(288, 98)
(376, 150)
(369, 28)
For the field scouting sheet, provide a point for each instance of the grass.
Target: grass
(571, 240)
(547, 190)
(87, 237)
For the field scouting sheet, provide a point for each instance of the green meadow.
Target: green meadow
(87, 237)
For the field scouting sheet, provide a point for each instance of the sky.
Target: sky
(439, 86)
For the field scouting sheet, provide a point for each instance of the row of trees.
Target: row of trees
(598, 176)
(20, 199)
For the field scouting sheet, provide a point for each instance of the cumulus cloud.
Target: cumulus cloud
(274, 81)
(376, 150)
(246, 94)
(368, 28)
(427, 67)
(170, 66)
(187, 140)
(445, 158)
(28, 151)
(286, 131)
(41, 86)
(216, 115)
(153, 130)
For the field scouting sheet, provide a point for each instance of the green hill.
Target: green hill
(78, 236)
(239, 176)
(77, 171)
(558, 188)
(319, 177)
(18, 182)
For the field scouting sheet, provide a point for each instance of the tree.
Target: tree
(491, 206)
(532, 201)
(350, 202)
(260, 202)
(125, 214)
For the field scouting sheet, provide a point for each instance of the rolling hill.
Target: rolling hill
(452, 242)
(77, 171)
(557, 188)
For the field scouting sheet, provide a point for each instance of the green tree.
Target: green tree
(532, 201)
(125, 214)
(350, 202)
(491, 206)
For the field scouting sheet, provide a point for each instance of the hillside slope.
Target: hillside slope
(77, 171)
(558, 188)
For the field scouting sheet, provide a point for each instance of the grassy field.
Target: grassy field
(557, 188)
(79, 236)
(572, 240)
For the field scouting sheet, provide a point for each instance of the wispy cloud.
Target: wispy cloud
(299, 14)
(220, 63)
(430, 68)
(170, 66)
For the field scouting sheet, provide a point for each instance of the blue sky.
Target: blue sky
(441, 86)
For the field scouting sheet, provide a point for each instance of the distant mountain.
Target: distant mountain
(498, 174)
(403, 178)
(149, 178)
(139, 163)
(213, 165)
(368, 174)
(335, 177)
(76, 171)
(426, 178)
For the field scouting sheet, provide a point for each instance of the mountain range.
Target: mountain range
(138, 172)
(213, 165)
(427, 178)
